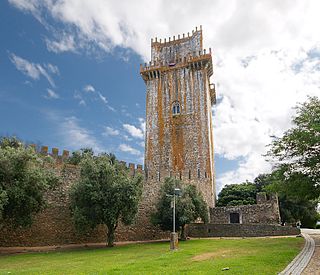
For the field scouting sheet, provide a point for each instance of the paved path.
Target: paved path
(314, 265)
(308, 260)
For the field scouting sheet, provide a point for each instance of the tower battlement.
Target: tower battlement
(62, 158)
(177, 39)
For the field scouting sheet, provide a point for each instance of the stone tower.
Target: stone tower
(179, 141)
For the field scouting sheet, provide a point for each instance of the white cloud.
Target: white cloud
(103, 98)
(80, 99)
(89, 88)
(128, 149)
(266, 58)
(52, 68)
(108, 131)
(51, 94)
(76, 137)
(256, 102)
(64, 43)
(34, 70)
(133, 131)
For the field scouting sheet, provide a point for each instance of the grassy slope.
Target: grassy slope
(242, 256)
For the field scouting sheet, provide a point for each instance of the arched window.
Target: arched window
(176, 108)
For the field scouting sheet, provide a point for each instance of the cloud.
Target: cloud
(64, 43)
(80, 99)
(265, 54)
(77, 137)
(134, 131)
(53, 69)
(51, 94)
(108, 131)
(103, 98)
(240, 26)
(34, 70)
(89, 88)
(128, 149)
(256, 102)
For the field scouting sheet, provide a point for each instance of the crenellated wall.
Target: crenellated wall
(53, 226)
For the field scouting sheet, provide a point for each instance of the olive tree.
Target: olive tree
(104, 195)
(25, 176)
(189, 206)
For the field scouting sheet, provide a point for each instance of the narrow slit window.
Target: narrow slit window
(198, 173)
(189, 175)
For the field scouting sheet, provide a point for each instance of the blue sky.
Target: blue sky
(69, 73)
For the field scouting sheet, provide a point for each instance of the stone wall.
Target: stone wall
(197, 230)
(53, 226)
(266, 211)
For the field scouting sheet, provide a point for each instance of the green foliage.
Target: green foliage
(104, 194)
(299, 148)
(79, 155)
(296, 176)
(189, 206)
(24, 178)
(296, 196)
(237, 194)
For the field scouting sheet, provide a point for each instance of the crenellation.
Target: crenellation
(55, 152)
(65, 154)
(44, 150)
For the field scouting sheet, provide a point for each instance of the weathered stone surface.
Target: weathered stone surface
(266, 211)
(180, 144)
(53, 226)
(239, 230)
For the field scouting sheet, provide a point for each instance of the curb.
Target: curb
(300, 262)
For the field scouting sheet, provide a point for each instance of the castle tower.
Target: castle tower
(179, 141)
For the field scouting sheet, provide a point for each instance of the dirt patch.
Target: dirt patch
(216, 254)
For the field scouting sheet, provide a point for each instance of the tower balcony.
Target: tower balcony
(195, 60)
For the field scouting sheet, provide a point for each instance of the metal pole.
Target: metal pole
(174, 212)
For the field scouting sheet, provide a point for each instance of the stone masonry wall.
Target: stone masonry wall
(264, 212)
(53, 226)
(197, 230)
(180, 145)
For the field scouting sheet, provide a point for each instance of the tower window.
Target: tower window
(176, 108)
(189, 175)
(198, 173)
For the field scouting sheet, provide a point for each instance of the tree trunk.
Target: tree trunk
(110, 236)
(183, 233)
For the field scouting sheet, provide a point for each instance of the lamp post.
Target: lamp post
(174, 235)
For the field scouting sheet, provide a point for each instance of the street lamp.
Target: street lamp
(174, 235)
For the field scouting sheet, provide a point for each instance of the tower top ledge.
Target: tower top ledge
(176, 39)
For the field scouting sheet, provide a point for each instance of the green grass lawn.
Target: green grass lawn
(205, 256)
